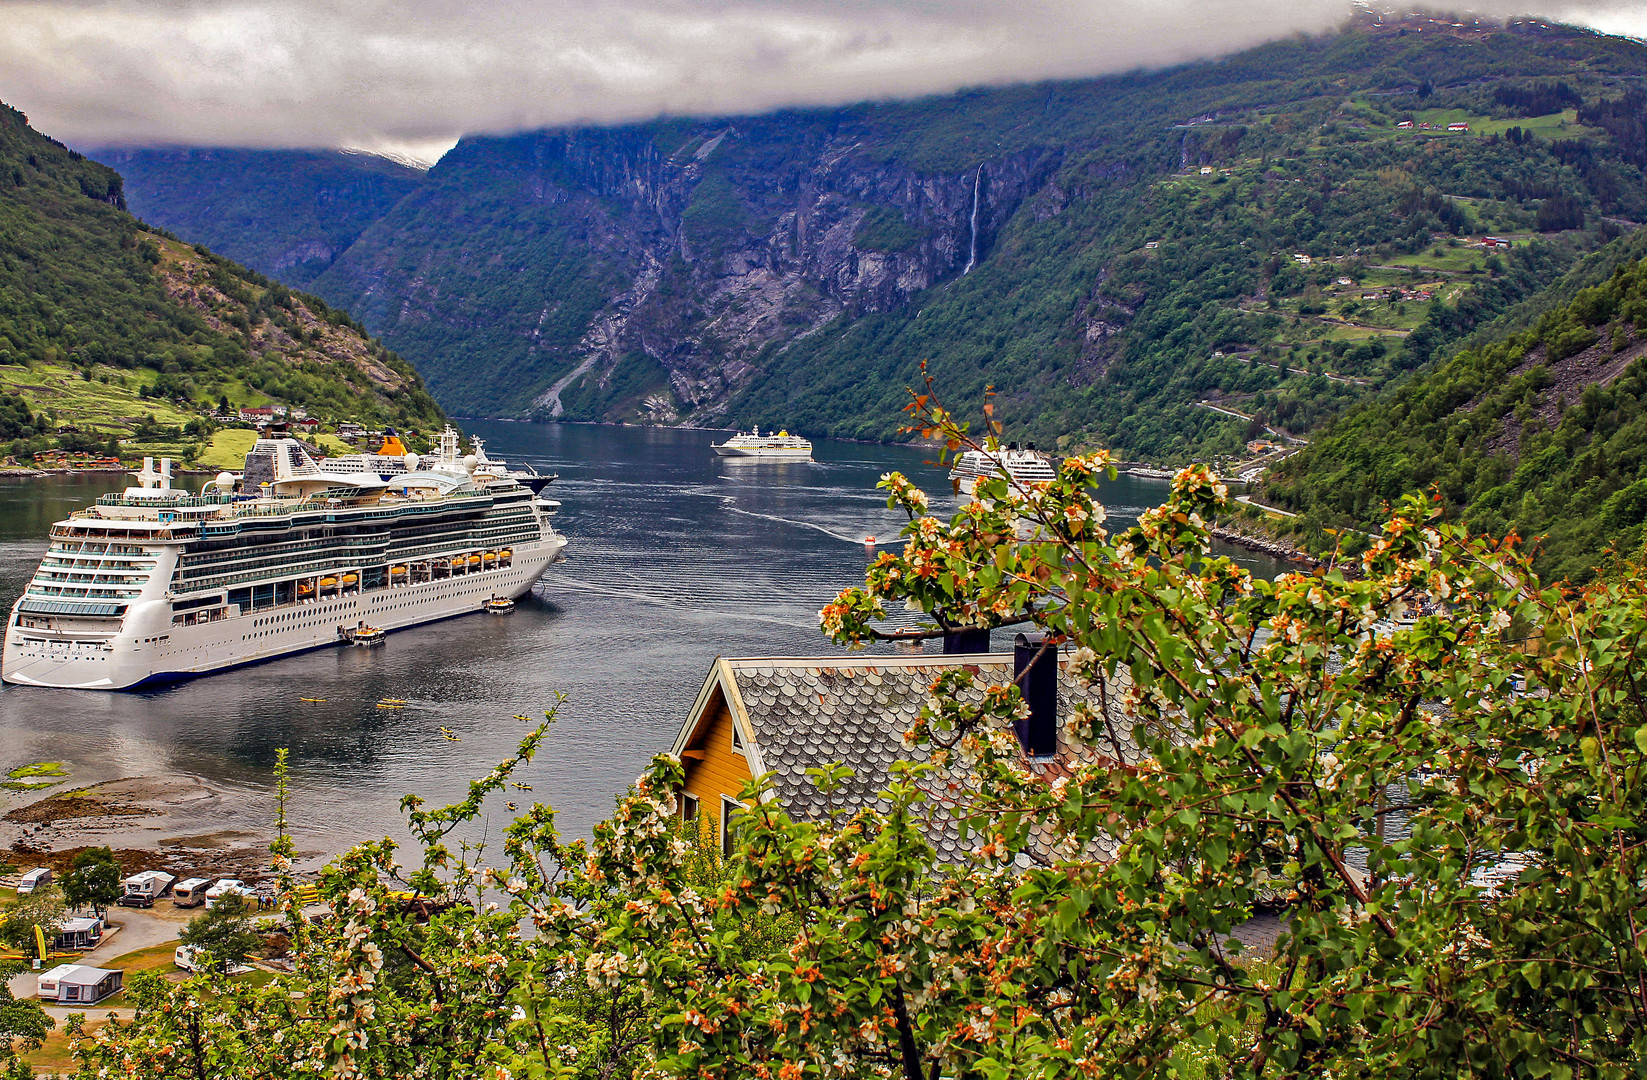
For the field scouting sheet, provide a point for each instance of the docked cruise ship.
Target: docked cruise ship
(156, 584)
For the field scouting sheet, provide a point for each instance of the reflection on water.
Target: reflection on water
(675, 556)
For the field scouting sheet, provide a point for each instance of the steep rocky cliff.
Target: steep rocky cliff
(712, 241)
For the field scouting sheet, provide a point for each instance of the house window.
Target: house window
(737, 738)
(729, 807)
(689, 807)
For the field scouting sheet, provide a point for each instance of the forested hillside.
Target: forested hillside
(1087, 247)
(1542, 430)
(284, 213)
(110, 329)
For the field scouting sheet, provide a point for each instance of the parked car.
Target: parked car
(34, 879)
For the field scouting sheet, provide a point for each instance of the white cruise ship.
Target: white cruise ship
(156, 584)
(1025, 466)
(780, 447)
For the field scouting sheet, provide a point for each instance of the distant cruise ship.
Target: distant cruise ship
(780, 447)
(156, 584)
(1025, 466)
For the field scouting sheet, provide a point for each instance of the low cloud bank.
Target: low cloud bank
(409, 76)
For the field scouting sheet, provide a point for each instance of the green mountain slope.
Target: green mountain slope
(114, 330)
(1539, 427)
(1088, 248)
(284, 213)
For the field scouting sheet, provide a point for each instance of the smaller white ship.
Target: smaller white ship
(780, 447)
(449, 456)
(1026, 466)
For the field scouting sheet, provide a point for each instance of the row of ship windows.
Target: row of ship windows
(289, 616)
(197, 560)
(61, 547)
(53, 576)
(95, 562)
(66, 593)
(204, 577)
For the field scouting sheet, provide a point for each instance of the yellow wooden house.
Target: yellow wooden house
(780, 716)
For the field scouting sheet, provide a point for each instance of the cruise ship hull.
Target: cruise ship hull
(764, 454)
(147, 653)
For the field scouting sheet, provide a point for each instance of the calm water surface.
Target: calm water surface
(675, 557)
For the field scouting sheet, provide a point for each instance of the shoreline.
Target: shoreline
(1266, 545)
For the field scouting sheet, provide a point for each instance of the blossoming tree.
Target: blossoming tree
(1436, 763)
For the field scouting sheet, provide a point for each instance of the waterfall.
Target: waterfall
(972, 256)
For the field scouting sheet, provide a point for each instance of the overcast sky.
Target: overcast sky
(409, 76)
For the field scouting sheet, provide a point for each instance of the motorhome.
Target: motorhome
(191, 892)
(34, 879)
(225, 887)
(189, 959)
(143, 889)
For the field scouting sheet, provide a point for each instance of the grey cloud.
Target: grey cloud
(414, 74)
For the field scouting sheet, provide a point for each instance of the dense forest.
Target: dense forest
(105, 322)
(1538, 427)
(1089, 248)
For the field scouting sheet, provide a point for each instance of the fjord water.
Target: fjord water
(675, 557)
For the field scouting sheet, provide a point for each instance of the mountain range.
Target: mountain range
(112, 328)
(1276, 235)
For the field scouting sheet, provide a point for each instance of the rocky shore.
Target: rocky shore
(1266, 545)
(153, 823)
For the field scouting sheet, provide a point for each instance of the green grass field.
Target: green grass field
(107, 406)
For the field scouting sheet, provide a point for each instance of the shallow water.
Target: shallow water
(675, 557)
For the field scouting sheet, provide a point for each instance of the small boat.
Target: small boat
(314, 700)
(780, 447)
(499, 605)
(392, 701)
(361, 634)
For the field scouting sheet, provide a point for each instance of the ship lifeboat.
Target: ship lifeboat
(506, 554)
(365, 635)
(305, 588)
(350, 579)
(328, 583)
(474, 560)
(397, 571)
(457, 564)
(489, 557)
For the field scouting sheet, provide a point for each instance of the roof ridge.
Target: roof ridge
(869, 660)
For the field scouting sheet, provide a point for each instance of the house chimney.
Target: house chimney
(1036, 673)
(957, 642)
